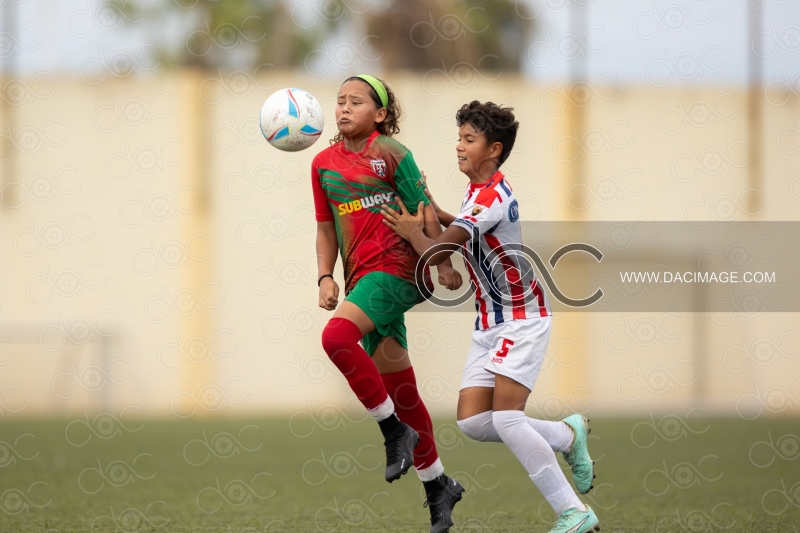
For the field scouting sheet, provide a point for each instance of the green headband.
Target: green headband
(376, 84)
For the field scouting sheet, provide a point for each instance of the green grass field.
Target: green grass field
(199, 476)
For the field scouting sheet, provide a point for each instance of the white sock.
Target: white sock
(429, 473)
(557, 434)
(383, 411)
(480, 427)
(538, 459)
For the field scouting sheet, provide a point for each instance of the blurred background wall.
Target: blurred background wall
(158, 255)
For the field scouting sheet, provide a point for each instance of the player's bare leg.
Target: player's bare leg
(474, 401)
(353, 313)
(390, 356)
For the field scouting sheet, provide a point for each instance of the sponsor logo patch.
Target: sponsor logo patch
(362, 203)
(513, 211)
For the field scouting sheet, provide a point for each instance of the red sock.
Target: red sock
(402, 389)
(340, 341)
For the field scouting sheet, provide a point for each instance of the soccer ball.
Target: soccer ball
(291, 120)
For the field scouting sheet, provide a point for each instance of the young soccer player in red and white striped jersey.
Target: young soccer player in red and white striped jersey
(513, 324)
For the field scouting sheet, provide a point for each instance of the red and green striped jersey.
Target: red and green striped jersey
(349, 189)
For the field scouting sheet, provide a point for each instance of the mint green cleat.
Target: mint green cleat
(575, 521)
(578, 456)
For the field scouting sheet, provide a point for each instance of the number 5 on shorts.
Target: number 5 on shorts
(503, 351)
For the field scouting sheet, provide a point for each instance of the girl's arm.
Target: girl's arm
(445, 218)
(433, 229)
(448, 276)
(327, 251)
(411, 228)
(438, 250)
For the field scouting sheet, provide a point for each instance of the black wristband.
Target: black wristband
(319, 281)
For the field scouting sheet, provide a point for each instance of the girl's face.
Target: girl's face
(356, 113)
(474, 152)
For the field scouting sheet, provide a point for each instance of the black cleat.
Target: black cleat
(442, 495)
(400, 452)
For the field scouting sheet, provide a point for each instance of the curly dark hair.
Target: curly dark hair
(391, 124)
(497, 123)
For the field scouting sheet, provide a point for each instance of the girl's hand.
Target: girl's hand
(449, 277)
(328, 294)
(404, 223)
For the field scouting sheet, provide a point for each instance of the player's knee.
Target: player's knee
(339, 334)
(468, 427)
(330, 341)
(504, 421)
(474, 427)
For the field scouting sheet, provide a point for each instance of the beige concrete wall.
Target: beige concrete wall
(157, 254)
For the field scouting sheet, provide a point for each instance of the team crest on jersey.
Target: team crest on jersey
(378, 167)
(477, 209)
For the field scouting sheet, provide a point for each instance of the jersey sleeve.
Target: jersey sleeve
(322, 208)
(408, 182)
(484, 214)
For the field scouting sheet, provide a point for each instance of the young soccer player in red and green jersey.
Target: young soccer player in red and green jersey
(362, 170)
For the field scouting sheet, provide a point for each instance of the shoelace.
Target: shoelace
(434, 505)
(563, 519)
(393, 448)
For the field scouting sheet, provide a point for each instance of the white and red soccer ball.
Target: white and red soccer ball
(291, 120)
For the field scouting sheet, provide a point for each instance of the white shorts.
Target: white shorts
(515, 349)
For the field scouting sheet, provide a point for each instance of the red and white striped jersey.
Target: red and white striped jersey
(506, 287)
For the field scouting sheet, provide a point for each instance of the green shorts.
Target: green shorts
(384, 298)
